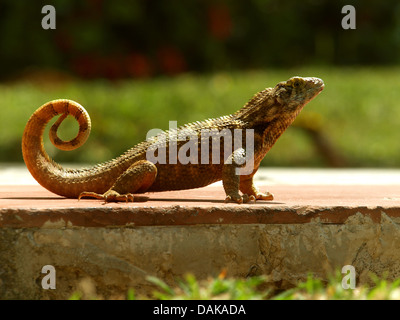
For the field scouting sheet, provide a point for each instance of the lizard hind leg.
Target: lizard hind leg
(137, 178)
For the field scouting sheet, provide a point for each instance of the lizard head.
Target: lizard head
(285, 100)
(296, 92)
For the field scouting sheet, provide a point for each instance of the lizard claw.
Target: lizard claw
(109, 196)
(128, 197)
(240, 199)
(264, 196)
(237, 199)
(245, 198)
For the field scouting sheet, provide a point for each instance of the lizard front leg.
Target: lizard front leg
(233, 182)
(137, 178)
(231, 179)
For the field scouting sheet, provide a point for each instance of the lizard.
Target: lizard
(267, 114)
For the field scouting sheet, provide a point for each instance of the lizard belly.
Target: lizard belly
(190, 176)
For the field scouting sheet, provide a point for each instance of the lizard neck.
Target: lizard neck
(267, 133)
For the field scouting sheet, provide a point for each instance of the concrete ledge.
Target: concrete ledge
(307, 228)
(33, 206)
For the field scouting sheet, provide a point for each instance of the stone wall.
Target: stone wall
(111, 260)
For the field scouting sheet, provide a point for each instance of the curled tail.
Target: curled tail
(47, 172)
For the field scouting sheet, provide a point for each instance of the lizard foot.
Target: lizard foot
(109, 196)
(240, 199)
(264, 196)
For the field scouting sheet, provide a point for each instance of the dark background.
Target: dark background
(146, 38)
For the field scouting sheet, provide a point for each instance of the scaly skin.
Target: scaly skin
(268, 113)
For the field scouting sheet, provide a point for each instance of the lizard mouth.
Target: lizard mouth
(315, 86)
(320, 83)
(317, 83)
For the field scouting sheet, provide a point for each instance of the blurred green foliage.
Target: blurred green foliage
(358, 111)
(140, 38)
(258, 288)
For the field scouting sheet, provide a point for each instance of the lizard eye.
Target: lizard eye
(296, 84)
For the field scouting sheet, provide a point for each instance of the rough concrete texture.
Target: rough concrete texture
(116, 259)
(306, 229)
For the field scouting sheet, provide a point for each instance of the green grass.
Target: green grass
(258, 288)
(218, 288)
(358, 111)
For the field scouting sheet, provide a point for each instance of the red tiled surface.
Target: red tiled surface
(33, 206)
